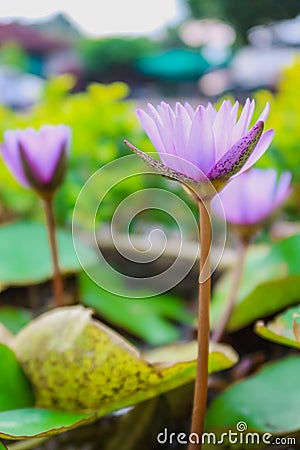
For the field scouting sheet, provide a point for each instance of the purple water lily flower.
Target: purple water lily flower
(253, 196)
(204, 144)
(37, 159)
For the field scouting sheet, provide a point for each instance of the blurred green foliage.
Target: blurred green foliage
(155, 320)
(284, 117)
(117, 54)
(277, 277)
(11, 54)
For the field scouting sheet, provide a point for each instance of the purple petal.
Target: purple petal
(222, 129)
(252, 196)
(175, 134)
(182, 130)
(211, 113)
(169, 134)
(164, 120)
(265, 113)
(152, 111)
(243, 123)
(283, 188)
(42, 149)
(261, 147)
(167, 115)
(234, 111)
(201, 141)
(11, 155)
(151, 129)
(190, 110)
(235, 158)
(231, 201)
(260, 187)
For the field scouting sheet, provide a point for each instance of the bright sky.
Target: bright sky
(102, 16)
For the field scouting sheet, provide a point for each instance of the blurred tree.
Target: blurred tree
(245, 14)
(11, 54)
(113, 58)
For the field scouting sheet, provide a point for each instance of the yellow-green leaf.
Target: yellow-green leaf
(283, 329)
(296, 327)
(77, 364)
(5, 335)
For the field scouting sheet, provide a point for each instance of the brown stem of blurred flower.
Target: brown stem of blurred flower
(201, 384)
(58, 289)
(231, 300)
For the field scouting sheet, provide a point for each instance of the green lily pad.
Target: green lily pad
(35, 422)
(270, 284)
(15, 389)
(85, 366)
(2, 446)
(14, 318)
(25, 255)
(283, 329)
(267, 401)
(147, 318)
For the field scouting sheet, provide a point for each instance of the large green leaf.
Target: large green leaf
(267, 401)
(282, 329)
(25, 256)
(270, 284)
(35, 422)
(85, 366)
(147, 318)
(15, 390)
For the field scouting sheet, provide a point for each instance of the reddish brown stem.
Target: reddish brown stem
(231, 300)
(58, 289)
(201, 384)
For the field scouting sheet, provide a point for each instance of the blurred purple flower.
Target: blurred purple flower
(201, 144)
(37, 159)
(252, 197)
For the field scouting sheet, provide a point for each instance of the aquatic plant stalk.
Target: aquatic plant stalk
(58, 290)
(201, 384)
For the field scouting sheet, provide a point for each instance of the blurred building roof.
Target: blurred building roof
(58, 25)
(30, 39)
